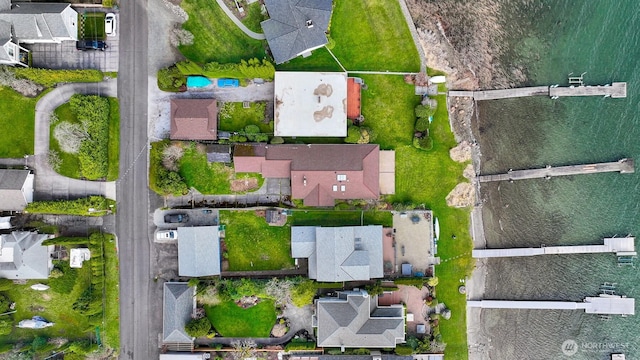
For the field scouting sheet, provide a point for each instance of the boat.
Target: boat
(198, 82)
(436, 229)
(438, 79)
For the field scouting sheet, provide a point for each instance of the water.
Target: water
(601, 38)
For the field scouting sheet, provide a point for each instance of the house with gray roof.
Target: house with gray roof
(353, 319)
(198, 251)
(22, 255)
(296, 27)
(16, 189)
(33, 23)
(178, 305)
(335, 254)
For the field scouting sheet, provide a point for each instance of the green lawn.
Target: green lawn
(69, 163)
(217, 38)
(250, 240)
(253, 17)
(114, 139)
(340, 218)
(320, 60)
(230, 320)
(373, 35)
(112, 310)
(209, 178)
(19, 117)
(92, 25)
(234, 117)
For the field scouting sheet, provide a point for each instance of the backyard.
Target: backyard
(19, 141)
(254, 245)
(216, 37)
(235, 117)
(231, 320)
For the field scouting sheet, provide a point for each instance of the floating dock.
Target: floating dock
(620, 246)
(623, 166)
(615, 90)
(603, 304)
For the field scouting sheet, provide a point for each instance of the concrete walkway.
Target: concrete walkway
(49, 184)
(251, 34)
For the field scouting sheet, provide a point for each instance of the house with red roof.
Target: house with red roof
(194, 119)
(322, 173)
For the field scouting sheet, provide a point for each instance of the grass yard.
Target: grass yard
(114, 139)
(234, 117)
(112, 310)
(20, 118)
(320, 60)
(216, 37)
(250, 240)
(230, 320)
(69, 163)
(373, 35)
(254, 17)
(387, 106)
(209, 178)
(340, 218)
(92, 26)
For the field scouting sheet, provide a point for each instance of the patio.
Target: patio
(413, 299)
(413, 237)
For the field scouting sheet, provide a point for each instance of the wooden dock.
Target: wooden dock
(620, 246)
(614, 90)
(603, 304)
(623, 166)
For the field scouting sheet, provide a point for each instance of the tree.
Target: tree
(424, 111)
(243, 349)
(5, 303)
(422, 124)
(198, 328)
(38, 342)
(303, 293)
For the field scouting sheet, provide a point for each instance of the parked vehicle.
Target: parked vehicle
(176, 218)
(228, 83)
(167, 235)
(110, 24)
(91, 45)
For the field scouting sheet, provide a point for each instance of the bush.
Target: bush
(424, 111)
(277, 140)
(353, 134)
(93, 153)
(65, 283)
(162, 180)
(303, 293)
(6, 325)
(198, 328)
(404, 350)
(99, 204)
(300, 345)
(246, 69)
(413, 281)
(50, 77)
(422, 124)
(5, 302)
(170, 79)
(359, 135)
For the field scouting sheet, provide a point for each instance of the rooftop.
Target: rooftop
(194, 119)
(178, 305)
(198, 251)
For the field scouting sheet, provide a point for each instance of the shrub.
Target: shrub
(303, 293)
(162, 180)
(5, 302)
(300, 345)
(93, 152)
(359, 135)
(189, 67)
(6, 325)
(422, 124)
(353, 134)
(50, 77)
(246, 69)
(277, 140)
(424, 111)
(98, 205)
(413, 281)
(404, 350)
(198, 328)
(64, 284)
(170, 79)
(107, 3)
(424, 143)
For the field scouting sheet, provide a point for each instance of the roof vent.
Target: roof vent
(309, 24)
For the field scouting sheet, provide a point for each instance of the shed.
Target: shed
(219, 153)
(407, 269)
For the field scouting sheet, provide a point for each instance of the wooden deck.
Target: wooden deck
(623, 166)
(615, 90)
(620, 246)
(605, 305)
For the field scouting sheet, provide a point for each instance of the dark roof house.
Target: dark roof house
(336, 254)
(198, 251)
(178, 304)
(319, 173)
(218, 153)
(354, 320)
(16, 189)
(296, 27)
(22, 255)
(194, 119)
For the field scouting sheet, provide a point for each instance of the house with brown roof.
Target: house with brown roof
(320, 173)
(194, 119)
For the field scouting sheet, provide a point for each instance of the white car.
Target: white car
(110, 24)
(167, 235)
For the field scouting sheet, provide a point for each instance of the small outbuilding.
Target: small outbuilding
(16, 189)
(198, 251)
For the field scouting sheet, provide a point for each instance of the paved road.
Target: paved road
(238, 23)
(49, 184)
(138, 321)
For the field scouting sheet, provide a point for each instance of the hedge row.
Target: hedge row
(93, 111)
(49, 77)
(246, 69)
(99, 206)
(413, 281)
(300, 345)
